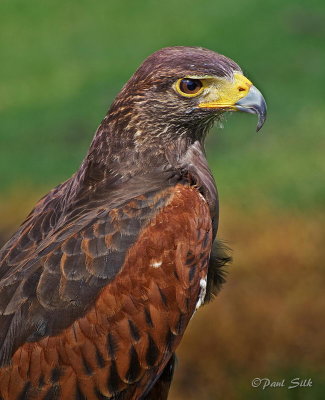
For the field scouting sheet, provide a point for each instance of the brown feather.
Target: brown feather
(85, 344)
(100, 281)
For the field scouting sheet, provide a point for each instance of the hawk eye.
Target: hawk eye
(189, 87)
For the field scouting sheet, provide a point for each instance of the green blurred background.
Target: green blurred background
(62, 63)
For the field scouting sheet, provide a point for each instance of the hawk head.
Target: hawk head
(175, 95)
(188, 87)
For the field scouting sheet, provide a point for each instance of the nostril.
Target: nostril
(241, 89)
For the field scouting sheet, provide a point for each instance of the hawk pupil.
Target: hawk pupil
(191, 85)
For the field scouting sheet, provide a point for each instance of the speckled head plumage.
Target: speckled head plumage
(151, 93)
(178, 61)
(176, 93)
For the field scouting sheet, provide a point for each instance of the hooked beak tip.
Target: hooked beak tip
(254, 103)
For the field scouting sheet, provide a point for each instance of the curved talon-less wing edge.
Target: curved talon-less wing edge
(99, 283)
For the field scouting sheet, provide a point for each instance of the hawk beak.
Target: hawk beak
(253, 103)
(238, 94)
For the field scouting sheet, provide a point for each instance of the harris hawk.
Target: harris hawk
(99, 282)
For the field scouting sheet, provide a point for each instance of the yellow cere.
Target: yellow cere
(224, 93)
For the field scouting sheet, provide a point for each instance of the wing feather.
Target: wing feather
(60, 276)
(104, 301)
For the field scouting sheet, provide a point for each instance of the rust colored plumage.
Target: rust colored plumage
(131, 331)
(99, 283)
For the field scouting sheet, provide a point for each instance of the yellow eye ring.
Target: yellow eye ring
(189, 87)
